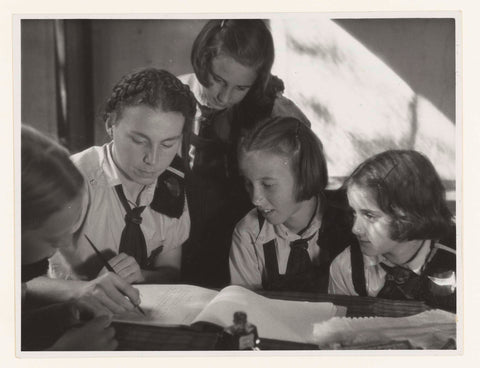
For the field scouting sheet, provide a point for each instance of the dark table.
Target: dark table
(203, 337)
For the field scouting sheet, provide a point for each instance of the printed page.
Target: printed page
(169, 304)
(275, 319)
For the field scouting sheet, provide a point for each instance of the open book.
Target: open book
(187, 305)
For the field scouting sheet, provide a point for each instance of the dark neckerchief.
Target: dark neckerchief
(132, 241)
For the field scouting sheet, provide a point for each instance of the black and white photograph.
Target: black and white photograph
(239, 184)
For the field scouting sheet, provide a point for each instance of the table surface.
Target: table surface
(182, 338)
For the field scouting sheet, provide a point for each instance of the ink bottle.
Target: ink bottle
(242, 335)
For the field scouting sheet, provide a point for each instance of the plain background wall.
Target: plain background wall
(38, 75)
(121, 46)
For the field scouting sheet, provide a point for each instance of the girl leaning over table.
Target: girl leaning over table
(133, 203)
(288, 240)
(51, 199)
(134, 208)
(406, 235)
(234, 89)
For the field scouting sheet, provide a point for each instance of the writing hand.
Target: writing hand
(93, 335)
(126, 267)
(108, 294)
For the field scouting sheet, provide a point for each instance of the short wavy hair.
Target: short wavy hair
(154, 88)
(248, 41)
(407, 188)
(49, 178)
(290, 138)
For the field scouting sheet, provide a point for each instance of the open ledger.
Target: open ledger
(186, 305)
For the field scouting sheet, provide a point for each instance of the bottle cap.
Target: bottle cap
(239, 317)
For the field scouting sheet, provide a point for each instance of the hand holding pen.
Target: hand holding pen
(118, 283)
(126, 267)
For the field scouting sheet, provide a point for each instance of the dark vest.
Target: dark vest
(334, 236)
(408, 285)
(216, 195)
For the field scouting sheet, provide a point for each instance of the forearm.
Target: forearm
(46, 290)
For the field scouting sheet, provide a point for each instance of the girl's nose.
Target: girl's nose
(224, 95)
(257, 198)
(357, 228)
(150, 157)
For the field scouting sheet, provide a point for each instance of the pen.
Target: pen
(110, 268)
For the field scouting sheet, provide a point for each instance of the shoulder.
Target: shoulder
(192, 82)
(188, 79)
(340, 274)
(89, 160)
(250, 223)
(444, 258)
(283, 106)
(342, 261)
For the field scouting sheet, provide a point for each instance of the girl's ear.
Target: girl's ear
(109, 125)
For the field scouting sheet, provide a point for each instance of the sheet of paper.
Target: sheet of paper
(169, 304)
(431, 329)
(275, 319)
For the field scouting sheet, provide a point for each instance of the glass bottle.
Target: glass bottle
(242, 335)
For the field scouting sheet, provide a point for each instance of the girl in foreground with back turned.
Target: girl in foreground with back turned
(234, 89)
(285, 173)
(406, 236)
(51, 200)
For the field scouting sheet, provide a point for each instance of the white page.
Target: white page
(429, 330)
(275, 319)
(169, 304)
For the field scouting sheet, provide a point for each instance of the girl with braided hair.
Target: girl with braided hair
(134, 209)
(234, 89)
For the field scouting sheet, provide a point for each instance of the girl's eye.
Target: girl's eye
(268, 185)
(138, 140)
(243, 89)
(217, 79)
(167, 145)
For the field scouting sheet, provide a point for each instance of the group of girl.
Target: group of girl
(192, 163)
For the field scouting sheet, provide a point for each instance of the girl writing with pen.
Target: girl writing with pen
(51, 199)
(133, 206)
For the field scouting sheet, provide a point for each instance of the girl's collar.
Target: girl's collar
(416, 261)
(313, 225)
(198, 90)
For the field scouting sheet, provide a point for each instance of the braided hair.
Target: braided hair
(154, 88)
